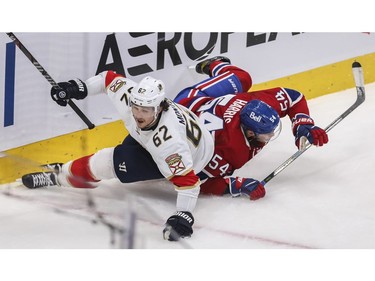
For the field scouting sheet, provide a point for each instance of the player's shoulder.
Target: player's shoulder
(114, 81)
(120, 86)
(174, 115)
(177, 117)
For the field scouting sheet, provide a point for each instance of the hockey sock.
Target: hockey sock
(80, 173)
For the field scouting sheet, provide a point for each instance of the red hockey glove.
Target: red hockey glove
(304, 130)
(248, 186)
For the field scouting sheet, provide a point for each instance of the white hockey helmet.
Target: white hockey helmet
(149, 92)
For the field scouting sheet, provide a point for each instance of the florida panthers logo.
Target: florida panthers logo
(175, 163)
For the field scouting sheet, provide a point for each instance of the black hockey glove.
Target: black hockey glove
(178, 226)
(73, 89)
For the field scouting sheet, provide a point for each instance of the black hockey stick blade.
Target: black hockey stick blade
(45, 74)
(360, 87)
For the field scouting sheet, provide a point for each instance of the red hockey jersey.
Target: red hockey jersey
(222, 117)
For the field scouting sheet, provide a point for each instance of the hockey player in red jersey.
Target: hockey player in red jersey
(242, 123)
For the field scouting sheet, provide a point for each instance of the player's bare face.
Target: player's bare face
(143, 115)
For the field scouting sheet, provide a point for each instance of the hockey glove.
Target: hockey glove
(178, 226)
(248, 186)
(304, 130)
(73, 89)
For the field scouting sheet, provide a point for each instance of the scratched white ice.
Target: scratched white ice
(325, 199)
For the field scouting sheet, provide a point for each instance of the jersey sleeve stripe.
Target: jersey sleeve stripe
(293, 96)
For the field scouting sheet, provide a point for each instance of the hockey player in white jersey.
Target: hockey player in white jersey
(166, 140)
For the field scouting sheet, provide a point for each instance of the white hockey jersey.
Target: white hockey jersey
(180, 145)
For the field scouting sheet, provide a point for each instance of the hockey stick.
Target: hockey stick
(49, 78)
(359, 83)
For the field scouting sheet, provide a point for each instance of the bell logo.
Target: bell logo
(254, 117)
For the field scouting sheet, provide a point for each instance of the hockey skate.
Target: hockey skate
(43, 179)
(204, 66)
(55, 167)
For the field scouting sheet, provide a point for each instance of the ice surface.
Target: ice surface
(324, 200)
